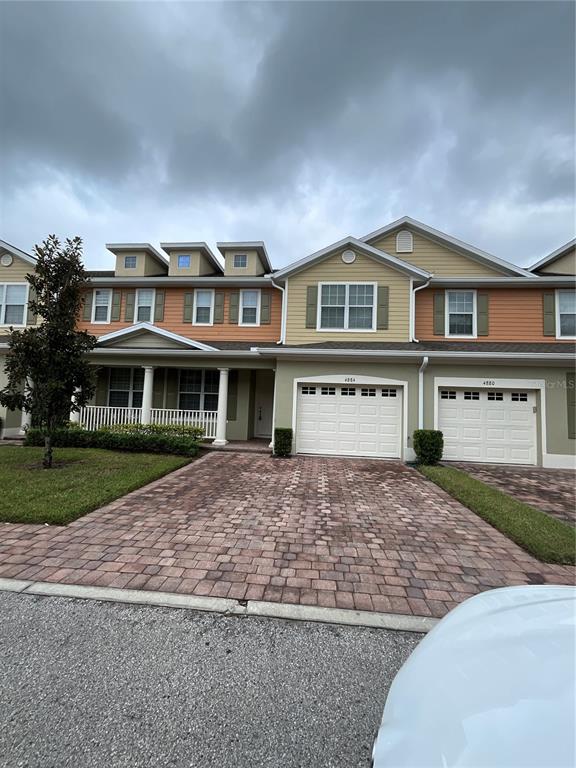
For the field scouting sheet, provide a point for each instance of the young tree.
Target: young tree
(48, 373)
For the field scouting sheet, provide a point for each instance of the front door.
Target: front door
(263, 404)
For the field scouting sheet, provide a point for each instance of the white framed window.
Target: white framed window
(13, 303)
(240, 261)
(184, 261)
(204, 306)
(519, 397)
(198, 389)
(328, 390)
(250, 307)
(348, 391)
(308, 390)
(496, 397)
(347, 307)
(461, 314)
(389, 392)
(565, 314)
(448, 394)
(125, 387)
(471, 395)
(101, 305)
(130, 262)
(368, 392)
(404, 241)
(144, 305)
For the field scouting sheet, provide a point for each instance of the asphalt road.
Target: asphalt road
(88, 684)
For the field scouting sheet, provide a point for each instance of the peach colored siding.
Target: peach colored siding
(515, 314)
(173, 314)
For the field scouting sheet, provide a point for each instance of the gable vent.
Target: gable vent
(404, 243)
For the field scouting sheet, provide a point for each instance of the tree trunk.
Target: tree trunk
(47, 460)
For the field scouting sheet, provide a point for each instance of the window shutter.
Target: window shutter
(549, 313)
(232, 396)
(87, 312)
(265, 308)
(234, 307)
(101, 394)
(383, 307)
(482, 314)
(311, 306)
(439, 317)
(219, 306)
(31, 316)
(129, 306)
(188, 307)
(571, 403)
(159, 305)
(172, 380)
(116, 301)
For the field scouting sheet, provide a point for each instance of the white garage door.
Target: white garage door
(349, 420)
(488, 426)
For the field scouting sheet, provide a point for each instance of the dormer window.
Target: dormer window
(240, 261)
(129, 262)
(184, 261)
(404, 242)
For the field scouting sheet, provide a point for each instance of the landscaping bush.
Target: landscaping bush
(169, 430)
(428, 445)
(135, 442)
(282, 441)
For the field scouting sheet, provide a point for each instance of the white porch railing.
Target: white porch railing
(97, 416)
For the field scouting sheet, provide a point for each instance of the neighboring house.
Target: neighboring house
(354, 346)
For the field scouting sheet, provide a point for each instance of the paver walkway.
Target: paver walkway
(347, 533)
(551, 490)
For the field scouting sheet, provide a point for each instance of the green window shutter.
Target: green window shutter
(158, 388)
(265, 308)
(102, 379)
(311, 306)
(439, 318)
(87, 311)
(172, 381)
(383, 307)
(188, 307)
(232, 396)
(234, 307)
(549, 313)
(571, 403)
(219, 306)
(116, 301)
(482, 314)
(31, 316)
(159, 305)
(129, 306)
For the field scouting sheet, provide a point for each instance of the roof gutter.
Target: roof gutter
(284, 311)
(380, 353)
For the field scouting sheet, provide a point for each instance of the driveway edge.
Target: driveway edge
(223, 605)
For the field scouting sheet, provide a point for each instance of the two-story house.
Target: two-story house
(354, 346)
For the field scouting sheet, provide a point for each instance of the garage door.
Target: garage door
(488, 426)
(349, 420)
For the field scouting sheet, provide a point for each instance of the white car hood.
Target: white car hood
(493, 684)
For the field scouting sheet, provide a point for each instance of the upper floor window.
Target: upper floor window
(129, 262)
(203, 307)
(404, 242)
(184, 261)
(144, 305)
(250, 307)
(13, 300)
(240, 261)
(566, 314)
(461, 313)
(347, 306)
(101, 305)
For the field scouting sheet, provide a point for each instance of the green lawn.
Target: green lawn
(545, 537)
(82, 479)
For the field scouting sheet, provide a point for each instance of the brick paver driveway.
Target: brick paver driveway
(346, 533)
(551, 490)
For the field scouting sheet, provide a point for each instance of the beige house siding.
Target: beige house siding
(15, 273)
(436, 258)
(145, 341)
(254, 266)
(333, 269)
(565, 265)
(199, 264)
(146, 265)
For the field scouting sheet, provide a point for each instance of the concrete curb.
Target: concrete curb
(224, 605)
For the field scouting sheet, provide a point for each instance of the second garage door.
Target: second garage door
(349, 420)
(496, 427)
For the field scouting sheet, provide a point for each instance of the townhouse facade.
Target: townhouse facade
(354, 346)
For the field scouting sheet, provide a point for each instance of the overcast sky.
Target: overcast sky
(293, 123)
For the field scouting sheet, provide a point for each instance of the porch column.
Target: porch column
(26, 415)
(147, 394)
(222, 408)
(75, 415)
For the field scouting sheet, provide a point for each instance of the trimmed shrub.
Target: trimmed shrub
(116, 441)
(428, 445)
(170, 430)
(282, 441)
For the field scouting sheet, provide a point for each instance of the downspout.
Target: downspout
(283, 321)
(413, 309)
(421, 391)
